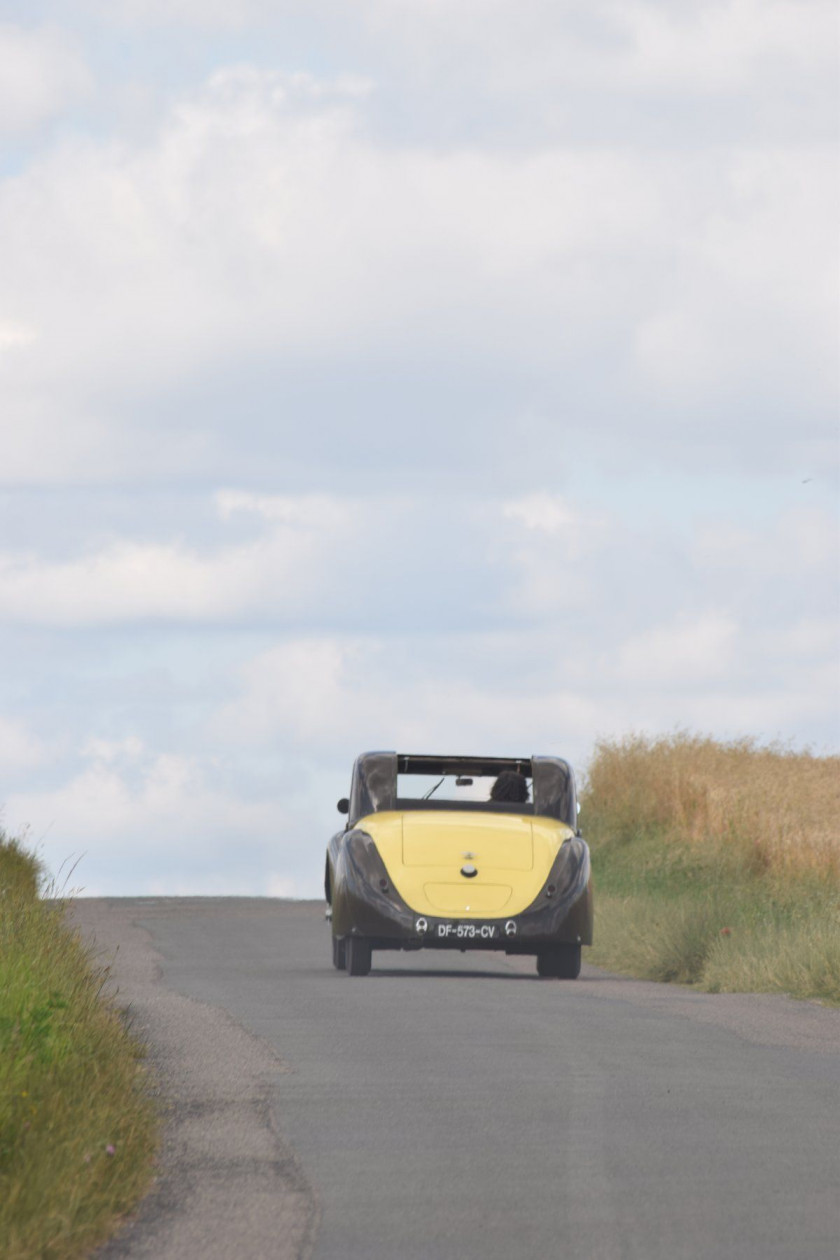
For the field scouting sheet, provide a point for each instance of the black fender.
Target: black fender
(364, 900)
(563, 910)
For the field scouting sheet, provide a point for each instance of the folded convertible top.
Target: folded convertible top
(422, 763)
(374, 784)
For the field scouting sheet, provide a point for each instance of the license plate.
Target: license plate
(466, 931)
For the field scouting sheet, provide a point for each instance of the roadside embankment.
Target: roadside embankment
(716, 864)
(78, 1127)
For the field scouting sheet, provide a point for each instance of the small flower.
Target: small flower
(726, 931)
(110, 1149)
(86, 1157)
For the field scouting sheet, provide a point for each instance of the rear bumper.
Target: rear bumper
(365, 904)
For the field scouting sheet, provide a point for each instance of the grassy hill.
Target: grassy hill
(716, 864)
(78, 1129)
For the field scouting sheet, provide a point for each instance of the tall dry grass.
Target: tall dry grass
(716, 864)
(773, 811)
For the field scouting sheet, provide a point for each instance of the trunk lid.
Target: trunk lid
(490, 842)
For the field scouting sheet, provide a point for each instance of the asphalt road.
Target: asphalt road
(455, 1106)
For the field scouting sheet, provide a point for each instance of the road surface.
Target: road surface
(455, 1106)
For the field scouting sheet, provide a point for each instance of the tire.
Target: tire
(560, 963)
(339, 953)
(358, 953)
(545, 966)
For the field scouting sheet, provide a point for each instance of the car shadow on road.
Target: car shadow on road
(433, 974)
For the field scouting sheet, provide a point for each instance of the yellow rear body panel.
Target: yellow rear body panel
(424, 852)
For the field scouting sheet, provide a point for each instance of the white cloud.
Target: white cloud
(549, 513)
(19, 748)
(41, 73)
(329, 695)
(318, 511)
(802, 545)
(689, 653)
(108, 752)
(279, 573)
(710, 333)
(165, 819)
(298, 688)
(202, 14)
(719, 46)
(15, 335)
(334, 696)
(553, 549)
(263, 224)
(127, 581)
(813, 638)
(325, 699)
(626, 47)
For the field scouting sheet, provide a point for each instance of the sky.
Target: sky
(449, 377)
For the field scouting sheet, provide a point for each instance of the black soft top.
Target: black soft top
(374, 784)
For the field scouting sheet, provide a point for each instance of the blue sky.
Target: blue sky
(449, 377)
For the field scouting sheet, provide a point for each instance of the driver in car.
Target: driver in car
(510, 786)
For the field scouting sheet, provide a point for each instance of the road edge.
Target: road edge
(227, 1184)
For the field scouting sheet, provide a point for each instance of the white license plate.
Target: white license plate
(466, 931)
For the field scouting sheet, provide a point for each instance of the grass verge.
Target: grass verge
(78, 1128)
(716, 865)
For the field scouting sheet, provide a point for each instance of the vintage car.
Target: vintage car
(493, 861)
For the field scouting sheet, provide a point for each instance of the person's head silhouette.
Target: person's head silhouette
(510, 786)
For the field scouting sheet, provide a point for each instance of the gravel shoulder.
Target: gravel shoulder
(227, 1184)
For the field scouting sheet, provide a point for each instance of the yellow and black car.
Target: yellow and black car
(460, 853)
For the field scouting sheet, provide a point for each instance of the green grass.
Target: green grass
(694, 894)
(78, 1128)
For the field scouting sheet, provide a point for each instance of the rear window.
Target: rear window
(414, 791)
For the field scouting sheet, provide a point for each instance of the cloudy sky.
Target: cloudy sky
(442, 375)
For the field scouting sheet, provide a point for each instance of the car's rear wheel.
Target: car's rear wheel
(562, 962)
(339, 954)
(358, 954)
